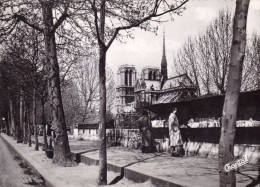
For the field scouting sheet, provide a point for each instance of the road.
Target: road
(14, 172)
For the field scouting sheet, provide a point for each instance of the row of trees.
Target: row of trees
(60, 27)
(205, 58)
(36, 34)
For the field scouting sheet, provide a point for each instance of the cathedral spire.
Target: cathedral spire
(163, 43)
(164, 73)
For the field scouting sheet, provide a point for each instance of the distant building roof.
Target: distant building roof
(173, 82)
(151, 68)
(169, 98)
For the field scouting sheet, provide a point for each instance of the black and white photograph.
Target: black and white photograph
(130, 93)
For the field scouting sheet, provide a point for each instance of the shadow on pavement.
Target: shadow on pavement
(255, 180)
(118, 178)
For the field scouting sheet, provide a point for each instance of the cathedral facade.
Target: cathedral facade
(152, 87)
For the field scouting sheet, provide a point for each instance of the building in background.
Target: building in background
(126, 80)
(151, 87)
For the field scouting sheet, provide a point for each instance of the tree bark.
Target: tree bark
(229, 116)
(9, 120)
(25, 134)
(34, 121)
(20, 126)
(102, 179)
(102, 124)
(29, 127)
(44, 125)
(12, 119)
(62, 154)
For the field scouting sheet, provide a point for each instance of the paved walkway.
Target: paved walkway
(159, 169)
(166, 170)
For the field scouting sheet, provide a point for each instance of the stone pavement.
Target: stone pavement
(164, 170)
(128, 165)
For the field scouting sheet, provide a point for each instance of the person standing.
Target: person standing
(145, 128)
(176, 143)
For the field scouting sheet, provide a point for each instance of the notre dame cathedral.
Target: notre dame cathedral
(152, 87)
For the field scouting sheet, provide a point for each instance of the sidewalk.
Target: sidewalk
(159, 169)
(164, 170)
(56, 176)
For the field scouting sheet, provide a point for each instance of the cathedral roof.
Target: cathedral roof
(178, 81)
(168, 98)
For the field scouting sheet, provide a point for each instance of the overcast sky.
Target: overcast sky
(146, 48)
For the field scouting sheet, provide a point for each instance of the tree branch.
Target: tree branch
(139, 22)
(94, 8)
(60, 20)
(23, 19)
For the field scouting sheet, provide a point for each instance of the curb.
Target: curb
(130, 174)
(77, 155)
(110, 167)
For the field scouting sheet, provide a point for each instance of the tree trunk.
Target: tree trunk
(44, 125)
(12, 118)
(62, 154)
(102, 179)
(6, 116)
(25, 134)
(229, 116)
(34, 121)
(20, 128)
(29, 126)
(9, 122)
(102, 124)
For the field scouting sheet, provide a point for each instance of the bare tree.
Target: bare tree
(219, 35)
(229, 115)
(187, 62)
(87, 81)
(251, 68)
(82, 93)
(205, 58)
(105, 20)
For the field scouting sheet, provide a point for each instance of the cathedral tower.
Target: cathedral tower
(164, 73)
(126, 79)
